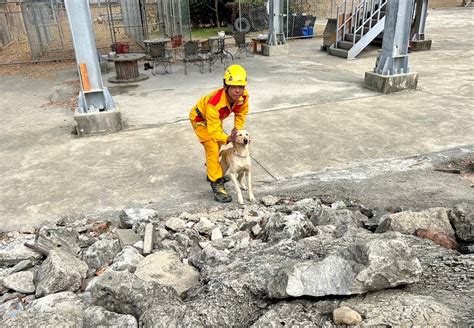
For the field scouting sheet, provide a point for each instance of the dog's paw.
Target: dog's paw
(240, 201)
(252, 198)
(243, 187)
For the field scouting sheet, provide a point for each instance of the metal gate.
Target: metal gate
(44, 23)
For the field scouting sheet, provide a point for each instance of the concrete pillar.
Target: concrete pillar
(391, 72)
(96, 112)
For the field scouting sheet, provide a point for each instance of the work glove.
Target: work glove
(232, 136)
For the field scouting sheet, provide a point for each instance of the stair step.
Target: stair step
(374, 21)
(350, 37)
(338, 52)
(344, 45)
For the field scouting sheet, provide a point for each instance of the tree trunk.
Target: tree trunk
(216, 6)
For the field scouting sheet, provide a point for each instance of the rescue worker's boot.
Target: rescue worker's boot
(226, 178)
(220, 194)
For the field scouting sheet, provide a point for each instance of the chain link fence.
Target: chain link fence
(38, 30)
(299, 16)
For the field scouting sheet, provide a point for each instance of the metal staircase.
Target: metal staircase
(359, 22)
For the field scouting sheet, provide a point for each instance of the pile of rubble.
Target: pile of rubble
(282, 262)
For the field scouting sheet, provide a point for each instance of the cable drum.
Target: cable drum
(242, 24)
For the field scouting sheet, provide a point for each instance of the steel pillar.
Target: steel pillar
(394, 56)
(391, 72)
(275, 30)
(95, 104)
(417, 38)
(276, 41)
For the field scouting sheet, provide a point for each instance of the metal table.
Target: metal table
(221, 51)
(126, 68)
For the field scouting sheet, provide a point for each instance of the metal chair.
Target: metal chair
(192, 55)
(160, 57)
(207, 54)
(243, 47)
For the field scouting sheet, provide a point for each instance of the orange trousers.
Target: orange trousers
(211, 149)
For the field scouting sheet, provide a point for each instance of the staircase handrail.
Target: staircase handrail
(357, 28)
(345, 22)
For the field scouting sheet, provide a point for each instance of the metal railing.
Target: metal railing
(355, 15)
(375, 7)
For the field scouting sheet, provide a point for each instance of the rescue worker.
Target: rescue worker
(206, 118)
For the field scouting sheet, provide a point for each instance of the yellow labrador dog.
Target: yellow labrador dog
(236, 162)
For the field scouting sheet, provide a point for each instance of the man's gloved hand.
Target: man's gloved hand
(232, 136)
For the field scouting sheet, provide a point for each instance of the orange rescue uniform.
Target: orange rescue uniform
(206, 118)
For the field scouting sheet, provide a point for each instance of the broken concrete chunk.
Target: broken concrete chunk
(66, 239)
(97, 316)
(293, 226)
(462, 218)
(127, 260)
(148, 239)
(346, 316)
(270, 200)
(338, 205)
(59, 272)
(216, 234)
(396, 308)
(131, 216)
(176, 224)
(101, 253)
(127, 237)
(21, 282)
(408, 222)
(59, 302)
(380, 263)
(15, 251)
(123, 292)
(298, 313)
(204, 226)
(166, 268)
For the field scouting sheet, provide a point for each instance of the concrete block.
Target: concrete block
(148, 239)
(278, 50)
(127, 237)
(101, 122)
(420, 45)
(391, 83)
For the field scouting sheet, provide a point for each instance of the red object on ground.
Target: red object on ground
(440, 238)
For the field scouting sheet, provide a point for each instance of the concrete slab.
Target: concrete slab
(310, 113)
(277, 50)
(391, 83)
(102, 122)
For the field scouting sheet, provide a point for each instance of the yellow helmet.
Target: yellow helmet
(235, 75)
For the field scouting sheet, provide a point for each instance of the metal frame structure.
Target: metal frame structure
(276, 34)
(93, 96)
(393, 59)
(421, 13)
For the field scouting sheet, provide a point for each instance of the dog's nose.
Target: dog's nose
(246, 141)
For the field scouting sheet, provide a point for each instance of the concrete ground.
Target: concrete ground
(316, 131)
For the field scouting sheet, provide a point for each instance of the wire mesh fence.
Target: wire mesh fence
(299, 16)
(36, 30)
(42, 29)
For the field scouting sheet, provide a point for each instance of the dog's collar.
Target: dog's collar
(235, 153)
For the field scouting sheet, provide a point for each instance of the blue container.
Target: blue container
(307, 31)
(304, 32)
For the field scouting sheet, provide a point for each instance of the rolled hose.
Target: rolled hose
(244, 23)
